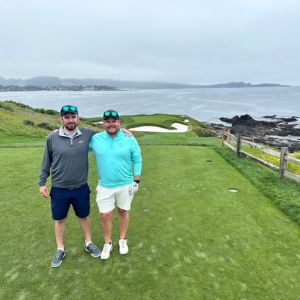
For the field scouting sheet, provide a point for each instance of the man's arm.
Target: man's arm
(91, 144)
(136, 158)
(45, 169)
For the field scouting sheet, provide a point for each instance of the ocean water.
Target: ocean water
(202, 104)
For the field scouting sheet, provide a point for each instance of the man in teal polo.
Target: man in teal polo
(119, 166)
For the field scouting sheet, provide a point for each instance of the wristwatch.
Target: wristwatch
(137, 181)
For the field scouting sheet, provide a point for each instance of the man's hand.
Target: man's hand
(133, 188)
(127, 132)
(44, 191)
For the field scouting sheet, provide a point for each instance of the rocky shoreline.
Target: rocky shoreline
(277, 132)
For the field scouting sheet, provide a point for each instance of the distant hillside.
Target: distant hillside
(240, 84)
(16, 88)
(56, 83)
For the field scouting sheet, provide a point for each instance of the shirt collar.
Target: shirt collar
(63, 133)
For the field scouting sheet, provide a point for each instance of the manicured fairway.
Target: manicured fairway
(189, 237)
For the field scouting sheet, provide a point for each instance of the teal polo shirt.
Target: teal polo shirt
(118, 158)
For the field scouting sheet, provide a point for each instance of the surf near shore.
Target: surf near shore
(271, 130)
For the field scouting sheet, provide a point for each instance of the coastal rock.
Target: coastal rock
(267, 132)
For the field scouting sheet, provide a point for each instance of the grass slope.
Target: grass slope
(14, 133)
(284, 193)
(13, 115)
(164, 121)
(189, 237)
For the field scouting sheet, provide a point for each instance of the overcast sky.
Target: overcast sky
(175, 41)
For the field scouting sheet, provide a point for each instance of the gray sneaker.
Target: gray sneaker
(93, 249)
(57, 258)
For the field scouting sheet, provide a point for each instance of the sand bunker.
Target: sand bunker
(178, 128)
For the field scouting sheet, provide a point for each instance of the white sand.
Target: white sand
(178, 128)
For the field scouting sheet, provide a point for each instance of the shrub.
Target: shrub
(40, 110)
(28, 122)
(6, 107)
(19, 104)
(46, 111)
(51, 112)
(46, 126)
(204, 132)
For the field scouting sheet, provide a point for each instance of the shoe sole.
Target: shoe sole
(108, 255)
(92, 253)
(59, 263)
(105, 258)
(123, 253)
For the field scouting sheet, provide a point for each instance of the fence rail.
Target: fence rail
(282, 155)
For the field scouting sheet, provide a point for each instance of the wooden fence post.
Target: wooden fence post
(253, 139)
(238, 145)
(223, 137)
(283, 162)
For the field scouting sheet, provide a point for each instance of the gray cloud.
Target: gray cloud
(183, 41)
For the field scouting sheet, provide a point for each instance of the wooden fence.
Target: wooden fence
(228, 138)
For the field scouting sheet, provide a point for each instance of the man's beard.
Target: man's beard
(71, 127)
(114, 129)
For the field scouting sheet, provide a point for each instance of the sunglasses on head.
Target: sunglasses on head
(113, 114)
(69, 108)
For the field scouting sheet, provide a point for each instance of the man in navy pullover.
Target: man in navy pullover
(66, 156)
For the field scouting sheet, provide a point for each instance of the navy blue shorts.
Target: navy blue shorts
(62, 199)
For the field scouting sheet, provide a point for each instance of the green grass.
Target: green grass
(189, 237)
(284, 193)
(162, 120)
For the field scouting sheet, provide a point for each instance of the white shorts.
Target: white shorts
(108, 198)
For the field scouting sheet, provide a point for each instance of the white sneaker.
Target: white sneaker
(123, 247)
(107, 248)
